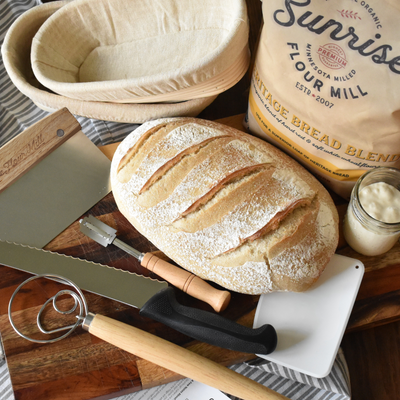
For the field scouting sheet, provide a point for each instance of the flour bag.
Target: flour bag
(326, 86)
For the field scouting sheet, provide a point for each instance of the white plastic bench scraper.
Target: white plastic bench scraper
(50, 174)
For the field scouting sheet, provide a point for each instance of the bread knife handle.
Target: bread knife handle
(209, 327)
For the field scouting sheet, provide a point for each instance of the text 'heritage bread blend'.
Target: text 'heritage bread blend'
(326, 85)
(225, 205)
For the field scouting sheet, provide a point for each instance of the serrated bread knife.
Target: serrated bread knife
(155, 299)
(180, 278)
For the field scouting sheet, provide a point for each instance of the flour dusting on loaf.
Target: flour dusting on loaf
(225, 205)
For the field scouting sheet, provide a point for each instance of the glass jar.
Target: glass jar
(365, 234)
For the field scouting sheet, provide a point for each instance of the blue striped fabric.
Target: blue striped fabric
(6, 392)
(18, 112)
(298, 386)
(292, 384)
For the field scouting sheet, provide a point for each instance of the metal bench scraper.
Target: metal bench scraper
(50, 174)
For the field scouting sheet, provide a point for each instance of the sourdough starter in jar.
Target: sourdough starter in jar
(372, 222)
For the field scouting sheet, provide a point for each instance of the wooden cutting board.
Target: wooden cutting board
(82, 367)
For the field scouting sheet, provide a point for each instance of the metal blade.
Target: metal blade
(54, 193)
(105, 235)
(115, 284)
(97, 230)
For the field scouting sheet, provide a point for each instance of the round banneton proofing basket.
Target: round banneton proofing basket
(16, 57)
(142, 51)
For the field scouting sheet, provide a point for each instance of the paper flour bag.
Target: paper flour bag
(326, 86)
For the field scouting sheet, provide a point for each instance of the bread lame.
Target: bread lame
(155, 299)
(182, 279)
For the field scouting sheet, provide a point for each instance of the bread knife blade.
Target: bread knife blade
(153, 298)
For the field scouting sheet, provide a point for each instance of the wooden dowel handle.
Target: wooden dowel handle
(177, 359)
(187, 282)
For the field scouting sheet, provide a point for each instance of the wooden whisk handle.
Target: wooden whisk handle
(177, 359)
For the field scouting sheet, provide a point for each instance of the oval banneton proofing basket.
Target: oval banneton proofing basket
(142, 51)
(16, 57)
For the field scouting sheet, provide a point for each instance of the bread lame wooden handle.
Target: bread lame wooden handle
(177, 359)
(187, 282)
(27, 149)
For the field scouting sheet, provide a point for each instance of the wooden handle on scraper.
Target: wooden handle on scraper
(27, 149)
(187, 282)
(177, 359)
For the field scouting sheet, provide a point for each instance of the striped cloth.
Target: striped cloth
(299, 386)
(17, 112)
(6, 392)
(292, 384)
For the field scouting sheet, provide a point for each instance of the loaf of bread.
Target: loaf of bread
(225, 205)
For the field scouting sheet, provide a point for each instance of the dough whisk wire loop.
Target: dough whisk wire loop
(79, 302)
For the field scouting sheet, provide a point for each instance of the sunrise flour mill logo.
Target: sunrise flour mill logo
(326, 86)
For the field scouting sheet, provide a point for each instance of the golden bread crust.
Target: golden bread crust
(225, 205)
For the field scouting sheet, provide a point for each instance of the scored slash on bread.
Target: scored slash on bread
(225, 205)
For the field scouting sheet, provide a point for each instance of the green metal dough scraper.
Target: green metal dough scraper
(50, 175)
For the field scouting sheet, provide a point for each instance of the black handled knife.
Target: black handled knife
(155, 299)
